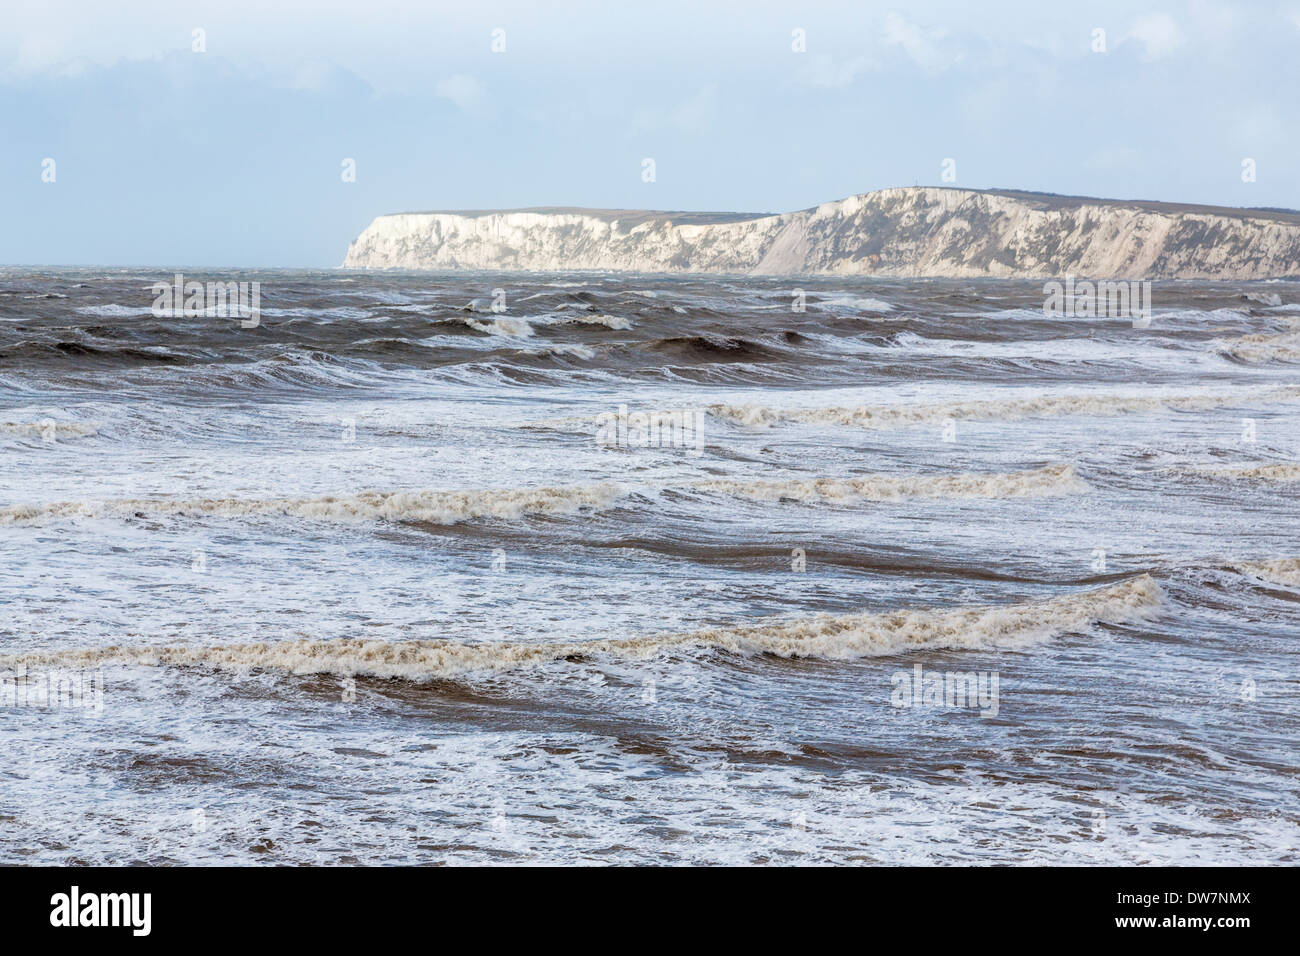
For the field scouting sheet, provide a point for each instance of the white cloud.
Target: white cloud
(825, 70)
(311, 75)
(921, 45)
(37, 51)
(463, 90)
(1159, 35)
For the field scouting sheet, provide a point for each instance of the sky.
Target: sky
(128, 138)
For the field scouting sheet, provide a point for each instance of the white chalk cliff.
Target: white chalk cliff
(914, 231)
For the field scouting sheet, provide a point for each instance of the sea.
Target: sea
(599, 568)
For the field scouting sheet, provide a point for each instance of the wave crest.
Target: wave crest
(835, 637)
(515, 328)
(1282, 471)
(439, 507)
(49, 428)
(1281, 571)
(893, 416)
(615, 322)
(1038, 482)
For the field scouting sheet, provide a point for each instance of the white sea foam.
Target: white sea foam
(891, 416)
(860, 303)
(1284, 347)
(1280, 471)
(836, 637)
(440, 507)
(576, 349)
(450, 507)
(1051, 480)
(113, 309)
(516, 328)
(49, 429)
(615, 322)
(522, 327)
(1280, 571)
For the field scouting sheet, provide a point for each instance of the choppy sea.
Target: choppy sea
(601, 568)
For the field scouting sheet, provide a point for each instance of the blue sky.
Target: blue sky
(233, 156)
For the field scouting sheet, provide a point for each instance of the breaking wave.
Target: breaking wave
(886, 416)
(516, 328)
(1263, 348)
(522, 328)
(1281, 571)
(618, 323)
(835, 637)
(439, 507)
(861, 303)
(451, 507)
(1051, 480)
(50, 429)
(1282, 471)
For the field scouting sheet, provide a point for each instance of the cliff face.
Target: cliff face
(918, 231)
